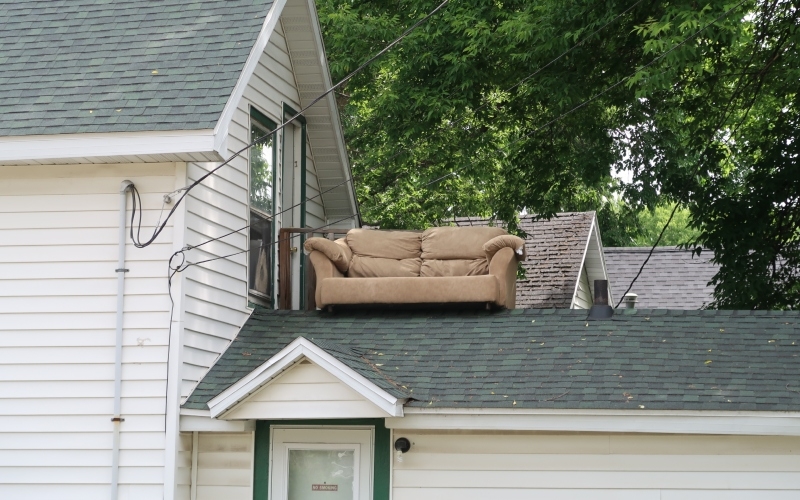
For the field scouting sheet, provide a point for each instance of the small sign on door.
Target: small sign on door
(324, 487)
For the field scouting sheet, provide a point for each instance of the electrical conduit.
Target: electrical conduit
(117, 418)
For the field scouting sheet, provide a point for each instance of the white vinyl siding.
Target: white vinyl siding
(225, 466)
(216, 294)
(512, 466)
(58, 255)
(305, 391)
(183, 478)
(583, 294)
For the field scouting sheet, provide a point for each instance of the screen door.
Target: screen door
(321, 464)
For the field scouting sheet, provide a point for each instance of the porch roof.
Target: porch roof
(543, 358)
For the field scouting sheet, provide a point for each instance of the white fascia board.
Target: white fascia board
(221, 129)
(334, 109)
(608, 421)
(601, 250)
(294, 352)
(45, 147)
(204, 423)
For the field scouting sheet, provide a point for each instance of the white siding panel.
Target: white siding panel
(306, 391)
(225, 466)
(216, 303)
(583, 294)
(58, 253)
(527, 465)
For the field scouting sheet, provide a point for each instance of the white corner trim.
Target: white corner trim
(45, 147)
(600, 249)
(221, 129)
(611, 421)
(291, 354)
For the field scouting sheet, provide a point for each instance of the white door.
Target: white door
(321, 463)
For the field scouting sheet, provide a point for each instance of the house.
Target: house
(524, 403)
(97, 352)
(565, 256)
(672, 279)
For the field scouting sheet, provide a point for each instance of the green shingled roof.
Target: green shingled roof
(75, 66)
(529, 358)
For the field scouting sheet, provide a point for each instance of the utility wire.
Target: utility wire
(697, 169)
(456, 123)
(137, 241)
(589, 100)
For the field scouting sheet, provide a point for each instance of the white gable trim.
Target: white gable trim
(48, 147)
(624, 421)
(592, 271)
(221, 129)
(293, 353)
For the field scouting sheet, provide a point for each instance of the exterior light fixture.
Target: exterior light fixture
(401, 445)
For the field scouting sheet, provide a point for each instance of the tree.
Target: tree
(487, 109)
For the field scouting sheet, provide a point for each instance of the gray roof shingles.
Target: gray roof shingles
(555, 253)
(79, 66)
(672, 279)
(545, 358)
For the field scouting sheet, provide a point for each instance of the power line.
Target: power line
(396, 154)
(589, 100)
(697, 169)
(159, 228)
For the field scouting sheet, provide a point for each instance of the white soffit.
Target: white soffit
(609, 421)
(288, 357)
(325, 136)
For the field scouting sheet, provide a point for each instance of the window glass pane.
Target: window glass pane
(260, 254)
(321, 474)
(261, 175)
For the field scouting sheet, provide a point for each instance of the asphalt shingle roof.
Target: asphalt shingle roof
(546, 358)
(555, 253)
(672, 279)
(76, 66)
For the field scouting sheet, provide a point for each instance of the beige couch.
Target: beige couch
(435, 266)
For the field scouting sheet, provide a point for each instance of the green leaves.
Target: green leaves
(488, 110)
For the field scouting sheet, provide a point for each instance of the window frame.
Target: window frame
(257, 118)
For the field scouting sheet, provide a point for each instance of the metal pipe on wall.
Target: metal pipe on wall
(120, 270)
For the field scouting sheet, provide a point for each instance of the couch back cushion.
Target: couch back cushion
(385, 244)
(449, 243)
(384, 254)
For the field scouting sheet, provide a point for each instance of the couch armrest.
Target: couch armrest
(503, 266)
(323, 268)
(338, 252)
(505, 241)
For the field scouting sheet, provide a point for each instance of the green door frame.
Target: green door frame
(381, 454)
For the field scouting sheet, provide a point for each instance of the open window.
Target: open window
(262, 206)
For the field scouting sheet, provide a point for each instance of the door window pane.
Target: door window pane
(321, 474)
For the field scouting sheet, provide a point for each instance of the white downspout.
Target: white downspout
(117, 419)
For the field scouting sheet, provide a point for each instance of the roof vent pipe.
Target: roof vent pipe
(630, 300)
(600, 309)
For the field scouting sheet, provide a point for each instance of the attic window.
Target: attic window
(262, 195)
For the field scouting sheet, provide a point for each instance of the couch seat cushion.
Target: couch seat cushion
(417, 290)
(376, 267)
(454, 267)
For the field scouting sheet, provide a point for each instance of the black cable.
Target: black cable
(138, 243)
(170, 274)
(396, 154)
(186, 265)
(725, 115)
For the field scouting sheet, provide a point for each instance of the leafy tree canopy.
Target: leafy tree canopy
(490, 108)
